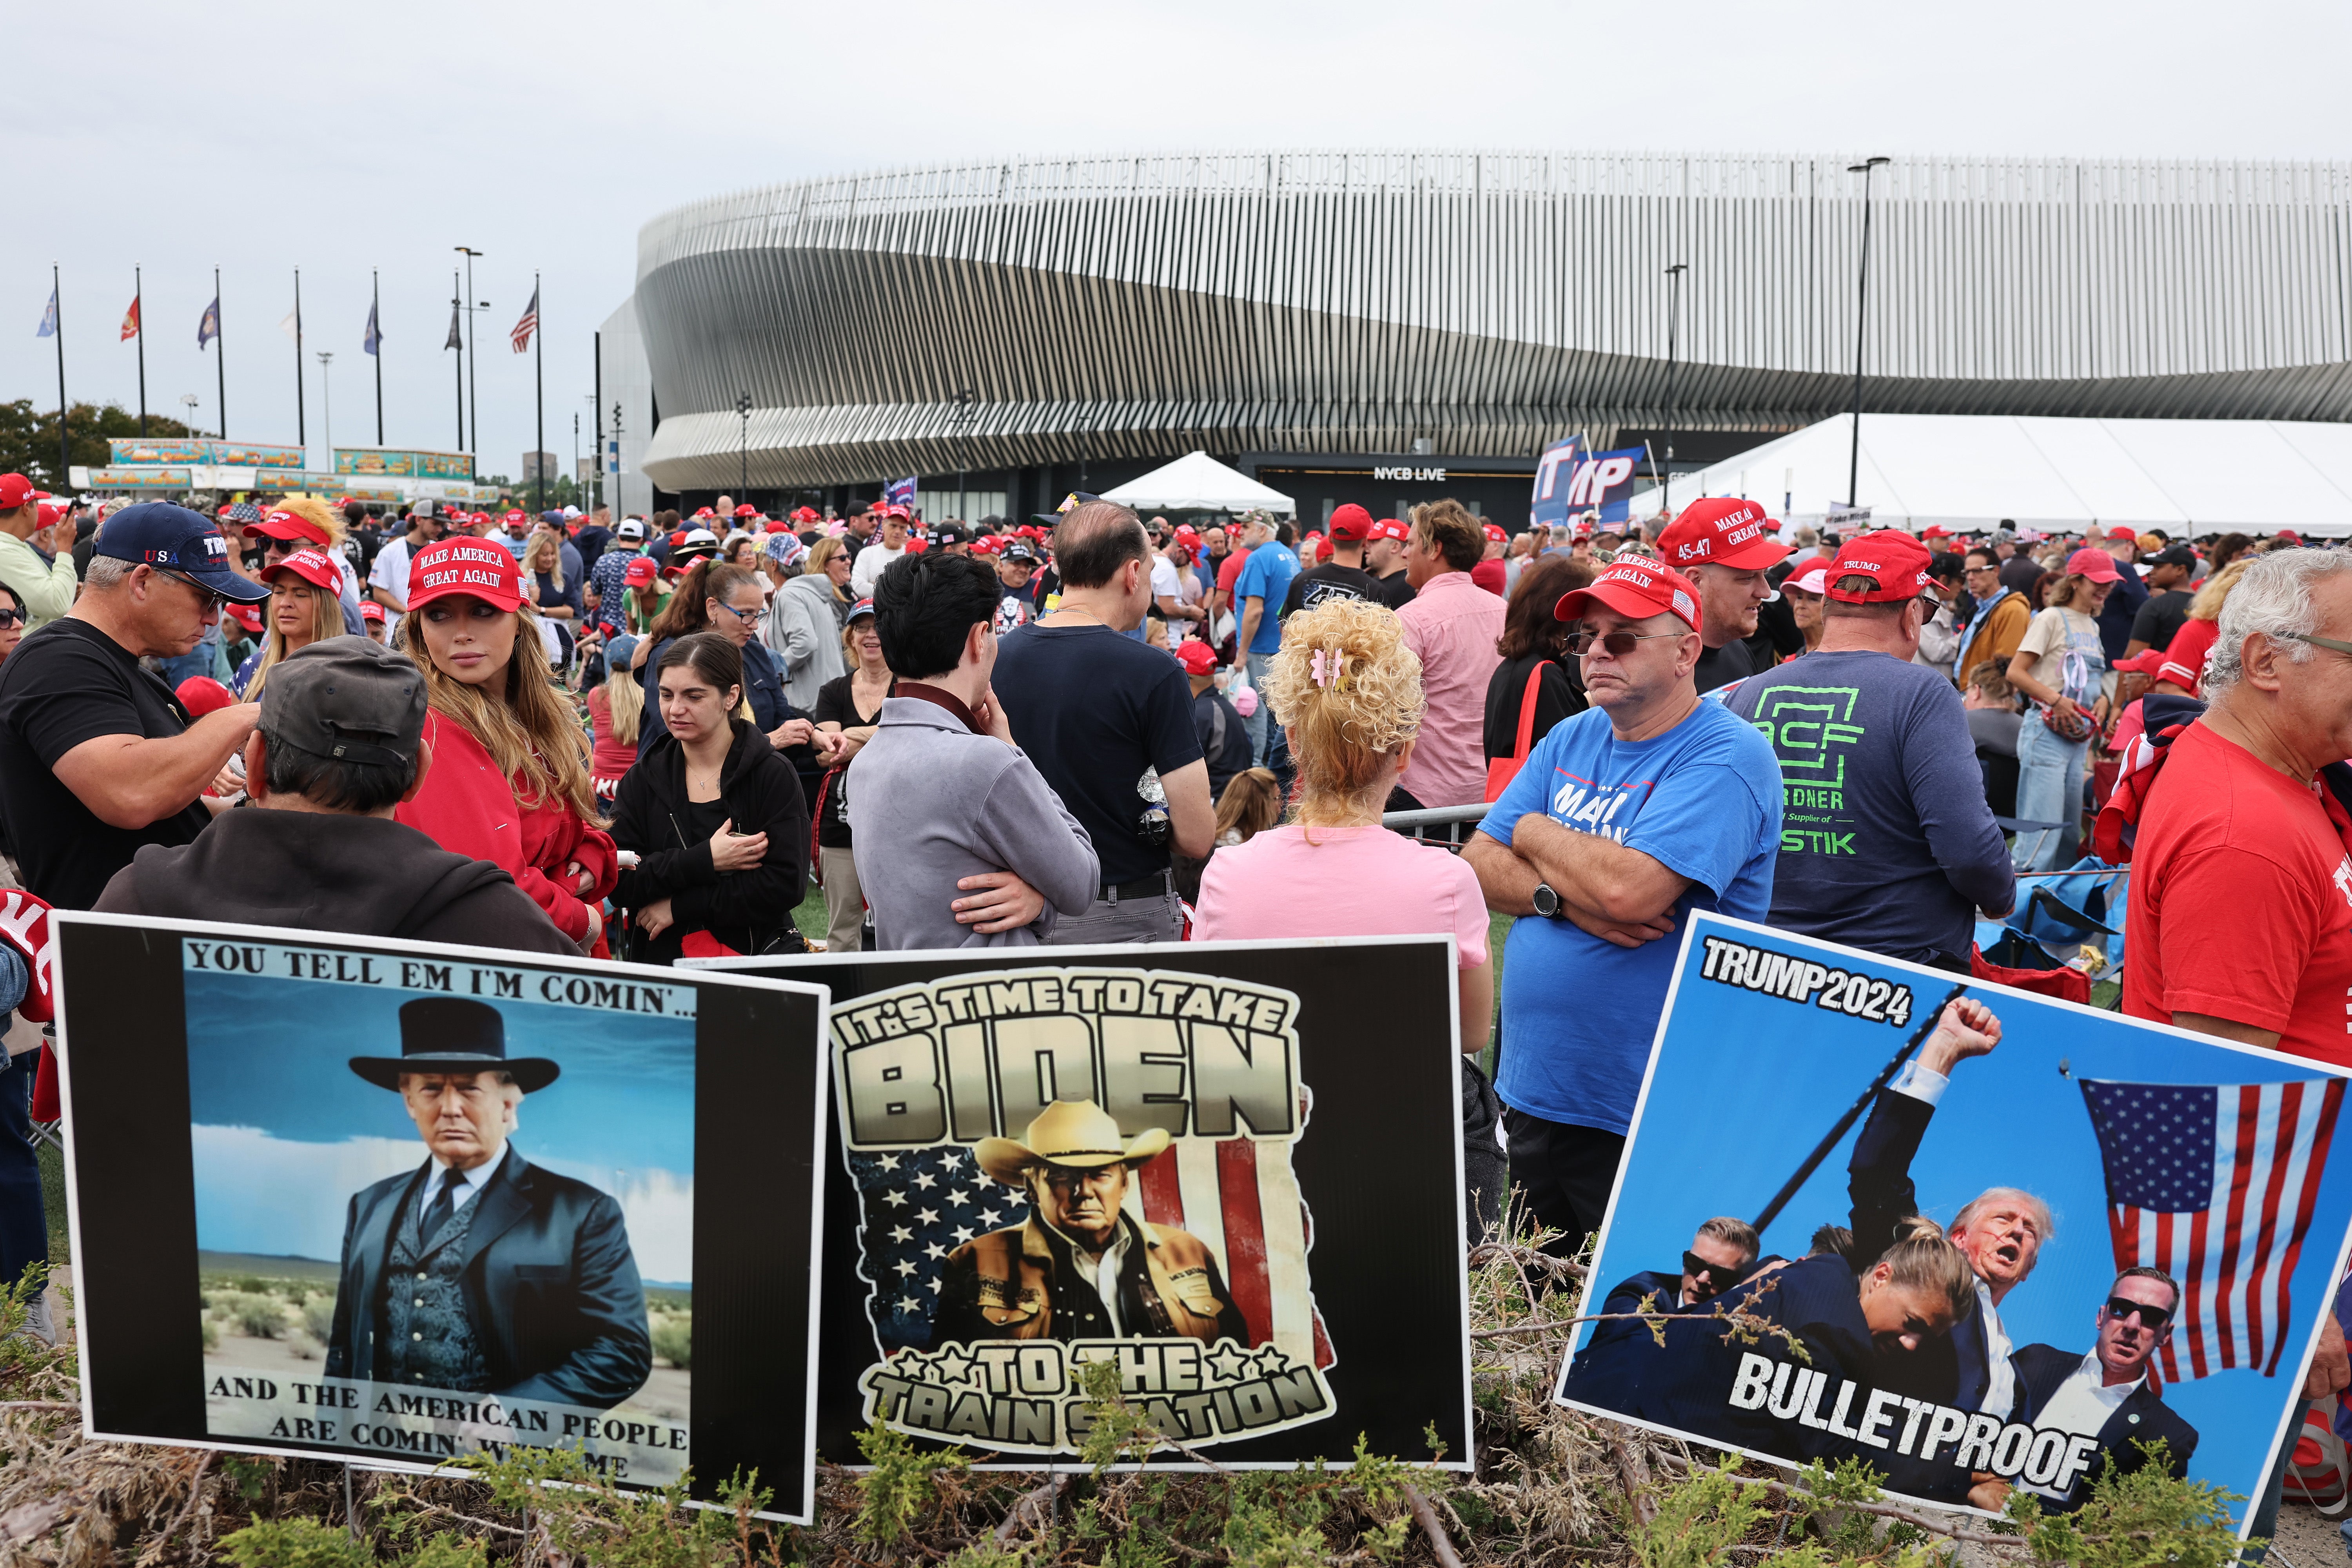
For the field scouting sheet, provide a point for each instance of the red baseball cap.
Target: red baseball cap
(52, 512)
(280, 524)
(200, 694)
(477, 568)
(1389, 528)
(1197, 656)
(641, 571)
(1890, 558)
(371, 611)
(2121, 534)
(1638, 587)
(704, 511)
(1325, 549)
(2095, 564)
(315, 567)
(16, 490)
(1351, 522)
(1721, 532)
(746, 510)
(2286, 535)
(1935, 531)
(1496, 531)
(246, 616)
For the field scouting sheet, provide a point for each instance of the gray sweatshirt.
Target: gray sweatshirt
(931, 803)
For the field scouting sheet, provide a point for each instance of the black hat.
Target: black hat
(451, 1034)
(951, 533)
(347, 697)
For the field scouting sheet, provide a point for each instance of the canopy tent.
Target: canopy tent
(1972, 472)
(1198, 482)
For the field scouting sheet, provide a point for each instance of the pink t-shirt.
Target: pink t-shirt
(1451, 626)
(1350, 881)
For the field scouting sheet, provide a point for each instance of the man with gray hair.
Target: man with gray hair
(2240, 920)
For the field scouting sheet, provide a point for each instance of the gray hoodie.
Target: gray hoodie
(805, 634)
(930, 804)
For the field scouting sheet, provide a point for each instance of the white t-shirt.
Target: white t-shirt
(1164, 579)
(391, 570)
(872, 562)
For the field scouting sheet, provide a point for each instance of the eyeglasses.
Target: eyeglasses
(2317, 642)
(2153, 1319)
(745, 615)
(211, 601)
(1619, 644)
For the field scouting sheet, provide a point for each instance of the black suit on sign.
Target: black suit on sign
(551, 1287)
(1950, 1369)
(2142, 1418)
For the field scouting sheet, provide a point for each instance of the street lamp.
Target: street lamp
(473, 353)
(327, 402)
(1861, 319)
(967, 410)
(189, 401)
(1673, 301)
(743, 446)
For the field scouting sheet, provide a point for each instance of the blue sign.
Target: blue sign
(1572, 481)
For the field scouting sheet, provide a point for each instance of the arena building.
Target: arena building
(1388, 327)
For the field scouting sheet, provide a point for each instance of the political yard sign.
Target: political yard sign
(404, 1202)
(1230, 1169)
(2137, 1232)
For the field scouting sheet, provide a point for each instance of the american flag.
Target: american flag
(1236, 1195)
(899, 493)
(521, 336)
(2214, 1183)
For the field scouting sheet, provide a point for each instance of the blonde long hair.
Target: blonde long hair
(545, 544)
(530, 731)
(1349, 692)
(2207, 605)
(625, 700)
(326, 621)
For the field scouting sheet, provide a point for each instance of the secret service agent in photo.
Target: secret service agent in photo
(1078, 1268)
(480, 1272)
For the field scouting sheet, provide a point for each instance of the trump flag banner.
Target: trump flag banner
(1233, 1171)
(1980, 1240)
(403, 1203)
(1572, 481)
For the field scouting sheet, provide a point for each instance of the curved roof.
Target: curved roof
(1488, 301)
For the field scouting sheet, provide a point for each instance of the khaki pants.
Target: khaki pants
(844, 901)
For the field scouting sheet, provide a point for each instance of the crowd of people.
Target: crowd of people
(647, 738)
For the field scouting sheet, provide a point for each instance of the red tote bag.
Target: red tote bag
(1501, 771)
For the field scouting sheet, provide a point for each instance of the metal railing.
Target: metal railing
(1447, 826)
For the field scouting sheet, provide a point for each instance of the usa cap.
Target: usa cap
(158, 533)
(1635, 587)
(1721, 532)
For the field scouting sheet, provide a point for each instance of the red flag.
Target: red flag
(130, 320)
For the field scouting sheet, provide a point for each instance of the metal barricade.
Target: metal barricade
(1447, 826)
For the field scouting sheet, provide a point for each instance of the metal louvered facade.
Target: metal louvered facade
(1480, 302)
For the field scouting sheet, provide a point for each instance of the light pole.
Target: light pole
(743, 446)
(967, 410)
(1673, 303)
(327, 404)
(473, 355)
(1861, 320)
(189, 401)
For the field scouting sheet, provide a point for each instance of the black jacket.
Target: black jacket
(2142, 1418)
(748, 911)
(1950, 1369)
(316, 871)
(550, 1286)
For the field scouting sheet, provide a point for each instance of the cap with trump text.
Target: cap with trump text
(172, 538)
(1894, 563)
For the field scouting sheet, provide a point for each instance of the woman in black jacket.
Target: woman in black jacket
(715, 815)
(1530, 647)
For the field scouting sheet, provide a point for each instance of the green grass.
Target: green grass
(53, 1199)
(810, 916)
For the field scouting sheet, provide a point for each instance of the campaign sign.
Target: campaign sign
(1232, 1168)
(2140, 1231)
(1570, 481)
(408, 1203)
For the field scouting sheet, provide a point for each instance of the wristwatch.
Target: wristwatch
(1546, 902)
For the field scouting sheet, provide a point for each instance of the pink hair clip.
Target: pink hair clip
(1323, 669)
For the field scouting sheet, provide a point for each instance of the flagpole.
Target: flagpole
(538, 391)
(57, 322)
(375, 321)
(220, 353)
(139, 304)
(301, 425)
(458, 344)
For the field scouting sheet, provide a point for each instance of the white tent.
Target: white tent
(1198, 482)
(1969, 472)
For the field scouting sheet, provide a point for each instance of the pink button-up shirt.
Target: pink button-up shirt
(1452, 625)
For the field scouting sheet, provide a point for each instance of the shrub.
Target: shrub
(212, 1335)
(260, 1316)
(674, 1341)
(318, 1317)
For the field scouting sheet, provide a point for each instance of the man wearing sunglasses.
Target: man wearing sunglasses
(1624, 819)
(1886, 841)
(97, 756)
(2104, 1395)
(1718, 1257)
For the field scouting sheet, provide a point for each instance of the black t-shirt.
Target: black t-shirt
(1777, 634)
(1096, 710)
(1224, 739)
(1722, 666)
(2160, 619)
(1321, 584)
(64, 684)
(1396, 591)
(2019, 573)
(836, 704)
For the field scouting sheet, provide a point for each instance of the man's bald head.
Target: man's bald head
(1094, 541)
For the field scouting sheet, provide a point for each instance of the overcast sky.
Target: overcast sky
(262, 137)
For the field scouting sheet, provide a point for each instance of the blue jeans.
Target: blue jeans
(24, 1225)
(1260, 723)
(2049, 789)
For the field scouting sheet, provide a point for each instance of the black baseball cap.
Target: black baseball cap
(1020, 551)
(162, 534)
(950, 533)
(2171, 555)
(347, 698)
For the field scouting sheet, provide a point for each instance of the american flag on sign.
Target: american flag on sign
(521, 336)
(1236, 1195)
(2214, 1183)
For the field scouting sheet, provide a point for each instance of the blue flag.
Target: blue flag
(209, 327)
(49, 318)
(899, 493)
(373, 337)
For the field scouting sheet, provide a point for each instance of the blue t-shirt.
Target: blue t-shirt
(1265, 575)
(1703, 801)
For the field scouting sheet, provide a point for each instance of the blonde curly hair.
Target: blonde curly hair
(1349, 692)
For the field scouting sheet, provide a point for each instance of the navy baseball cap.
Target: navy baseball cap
(158, 533)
